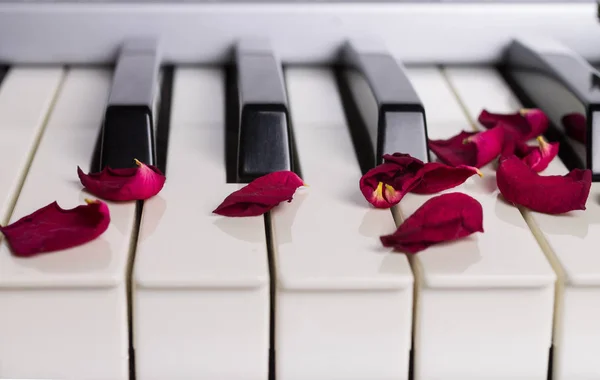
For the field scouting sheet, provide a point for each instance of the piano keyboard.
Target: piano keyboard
(172, 291)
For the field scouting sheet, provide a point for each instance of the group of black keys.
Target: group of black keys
(259, 129)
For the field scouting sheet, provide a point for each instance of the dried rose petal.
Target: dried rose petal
(261, 195)
(523, 125)
(575, 126)
(475, 149)
(521, 185)
(386, 184)
(435, 177)
(538, 157)
(139, 183)
(53, 228)
(443, 218)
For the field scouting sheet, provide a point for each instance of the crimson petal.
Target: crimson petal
(522, 126)
(386, 184)
(128, 184)
(261, 195)
(575, 126)
(539, 157)
(474, 149)
(435, 177)
(521, 185)
(443, 218)
(53, 228)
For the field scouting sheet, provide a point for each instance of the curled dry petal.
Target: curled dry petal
(138, 183)
(386, 184)
(522, 126)
(53, 228)
(521, 185)
(261, 195)
(443, 218)
(435, 177)
(474, 149)
(575, 126)
(538, 157)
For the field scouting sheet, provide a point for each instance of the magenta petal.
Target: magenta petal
(435, 177)
(539, 157)
(53, 228)
(261, 195)
(575, 126)
(443, 218)
(474, 149)
(522, 126)
(139, 183)
(521, 185)
(454, 151)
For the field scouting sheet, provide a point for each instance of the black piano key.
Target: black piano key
(549, 76)
(388, 104)
(128, 130)
(264, 126)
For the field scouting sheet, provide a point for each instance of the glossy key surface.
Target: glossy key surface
(264, 136)
(570, 241)
(201, 280)
(481, 294)
(339, 295)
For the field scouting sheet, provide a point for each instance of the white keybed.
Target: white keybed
(306, 292)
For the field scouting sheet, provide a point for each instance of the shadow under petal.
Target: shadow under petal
(90, 257)
(286, 215)
(504, 211)
(375, 224)
(238, 228)
(456, 262)
(154, 209)
(393, 263)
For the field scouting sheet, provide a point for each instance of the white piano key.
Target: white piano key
(343, 306)
(26, 96)
(571, 241)
(64, 314)
(201, 281)
(485, 303)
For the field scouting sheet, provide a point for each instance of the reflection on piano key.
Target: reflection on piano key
(26, 97)
(343, 305)
(201, 281)
(387, 103)
(560, 82)
(571, 242)
(485, 302)
(64, 314)
(264, 138)
(128, 130)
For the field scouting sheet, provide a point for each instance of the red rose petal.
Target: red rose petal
(443, 218)
(261, 195)
(454, 151)
(475, 149)
(523, 125)
(538, 157)
(139, 183)
(435, 177)
(575, 126)
(386, 184)
(521, 185)
(53, 228)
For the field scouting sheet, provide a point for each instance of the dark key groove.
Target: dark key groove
(3, 71)
(163, 124)
(265, 143)
(128, 130)
(555, 79)
(390, 107)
